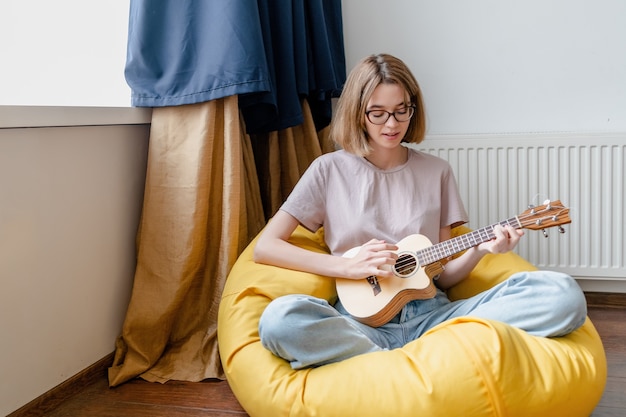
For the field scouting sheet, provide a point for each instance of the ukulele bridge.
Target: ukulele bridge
(373, 281)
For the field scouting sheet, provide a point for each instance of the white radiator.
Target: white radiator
(500, 175)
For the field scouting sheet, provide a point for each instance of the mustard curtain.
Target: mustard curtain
(202, 205)
(283, 156)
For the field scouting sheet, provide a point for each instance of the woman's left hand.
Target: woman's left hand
(506, 238)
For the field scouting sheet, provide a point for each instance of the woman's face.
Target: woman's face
(387, 98)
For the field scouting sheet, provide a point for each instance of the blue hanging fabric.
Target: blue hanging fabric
(185, 52)
(272, 54)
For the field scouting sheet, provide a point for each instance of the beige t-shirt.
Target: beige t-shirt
(355, 201)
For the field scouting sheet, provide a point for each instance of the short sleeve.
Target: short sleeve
(452, 209)
(307, 201)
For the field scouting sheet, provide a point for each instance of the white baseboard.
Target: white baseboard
(612, 285)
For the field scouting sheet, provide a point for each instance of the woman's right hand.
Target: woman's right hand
(273, 247)
(374, 258)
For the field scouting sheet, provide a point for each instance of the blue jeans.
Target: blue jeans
(308, 331)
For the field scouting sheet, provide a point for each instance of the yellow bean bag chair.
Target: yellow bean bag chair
(463, 367)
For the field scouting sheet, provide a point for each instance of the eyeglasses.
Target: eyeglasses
(380, 117)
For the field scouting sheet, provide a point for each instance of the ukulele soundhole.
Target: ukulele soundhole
(405, 265)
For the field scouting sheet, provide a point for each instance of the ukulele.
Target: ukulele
(374, 301)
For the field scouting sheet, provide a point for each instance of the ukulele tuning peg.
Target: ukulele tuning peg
(561, 230)
(545, 234)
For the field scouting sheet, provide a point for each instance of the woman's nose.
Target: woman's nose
(391, 121)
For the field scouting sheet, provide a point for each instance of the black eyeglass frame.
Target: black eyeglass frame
(411, 111)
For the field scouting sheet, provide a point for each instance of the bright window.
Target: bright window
(63, 53)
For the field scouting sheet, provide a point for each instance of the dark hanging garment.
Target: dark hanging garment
(272, 54)
(327, 52)
(303, 42)
(284, 40)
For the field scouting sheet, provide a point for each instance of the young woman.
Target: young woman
(372, 193)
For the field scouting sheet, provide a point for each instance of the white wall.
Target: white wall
(71, 188)
(70, 201)
(63, 52)
(491, 66)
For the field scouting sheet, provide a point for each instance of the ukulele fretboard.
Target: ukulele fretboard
(458, 244)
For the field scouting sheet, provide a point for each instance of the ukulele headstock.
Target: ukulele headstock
(550, 214)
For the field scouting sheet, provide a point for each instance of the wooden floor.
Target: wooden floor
(214, 398)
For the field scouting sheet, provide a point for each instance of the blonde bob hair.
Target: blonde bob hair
(348, 129)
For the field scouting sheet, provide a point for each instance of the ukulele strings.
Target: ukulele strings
(410, 261)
